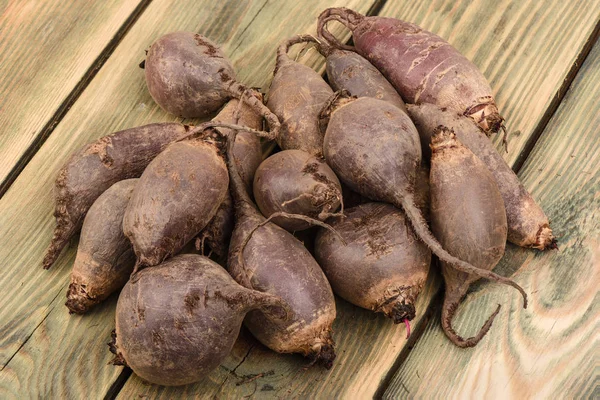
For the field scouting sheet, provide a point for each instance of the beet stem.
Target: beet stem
(407, 323)
(420, 226)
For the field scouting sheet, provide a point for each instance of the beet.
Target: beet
(177, 321)
(468, 217)
(189, 76)
(297, 95)
(105, 258)
(347, 70)
(293, 181)
(384, 265)
(528, 226)
(177, 195)
(422, 66)
(374, 148)
(265, 257)
(248, 155)
(96, 167)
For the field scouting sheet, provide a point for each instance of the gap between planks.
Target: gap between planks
(72, 97)
(557, 98)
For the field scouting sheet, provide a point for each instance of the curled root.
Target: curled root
(282, 50)
(349, 18)
(448, 312)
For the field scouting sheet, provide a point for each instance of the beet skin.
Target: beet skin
(177, 321)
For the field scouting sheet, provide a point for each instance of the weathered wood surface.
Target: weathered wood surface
(65, 356)
(33, 316)
(526, 50)
(47, 51)
(550, 350)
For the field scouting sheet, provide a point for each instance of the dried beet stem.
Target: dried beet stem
(350, 18)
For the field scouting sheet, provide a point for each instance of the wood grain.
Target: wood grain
(46, 49)
(550, 350)
(115, 99)
(525, 49)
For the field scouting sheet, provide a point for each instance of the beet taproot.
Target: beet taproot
(423, 67)
(177, 321)
(468, 218)
(105, 258)
(348, 70)
(247, 152)
(383, 266)
(189, 76)
(96, 167)
(177, 195)
(528, 226)
(265, 257)
(295, 182)
(297, 95)
(374, 148)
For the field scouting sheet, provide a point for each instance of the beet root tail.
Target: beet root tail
(325, 355)
(349, 18)
(62, 234)
(449, 309)
(421, 229)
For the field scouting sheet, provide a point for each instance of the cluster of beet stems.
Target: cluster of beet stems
(416, 179)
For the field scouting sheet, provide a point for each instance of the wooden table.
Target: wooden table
(69, 74)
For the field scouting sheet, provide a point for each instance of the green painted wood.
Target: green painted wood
(550, 350)
(47, 49)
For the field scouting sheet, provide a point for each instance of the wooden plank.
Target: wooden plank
(526, 49)
(33, 318)
(550, 350)
(48, 49)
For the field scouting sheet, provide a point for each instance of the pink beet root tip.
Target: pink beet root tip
(407, 323)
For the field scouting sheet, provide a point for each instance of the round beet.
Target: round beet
(176, 322)
(295, 182)
(383, 266)
(189, 76)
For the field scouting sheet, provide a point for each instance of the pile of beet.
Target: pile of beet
(390, 158)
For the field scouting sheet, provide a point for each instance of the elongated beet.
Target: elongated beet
(297, 95)
(374, 148)
(177, 195)
(528, 226)
(347, 70)
(272, 260)
(295, 182)
(248, 156)
(468, 217)
(383, 266)
(422, 66)
(189, 76)
(176, 322)
(96, 167)
(105, 258)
